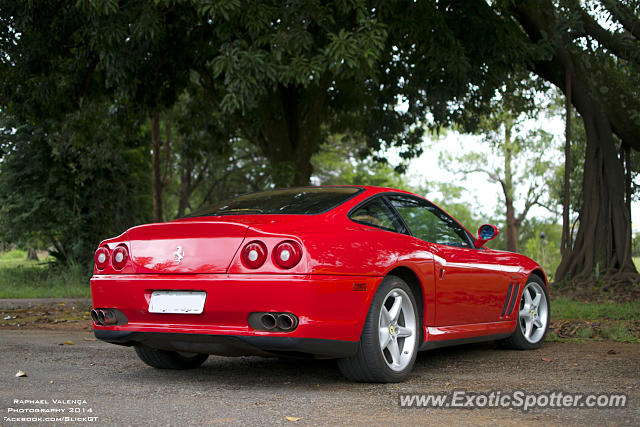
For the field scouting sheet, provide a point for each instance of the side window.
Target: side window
(428, 223)
(377, 214)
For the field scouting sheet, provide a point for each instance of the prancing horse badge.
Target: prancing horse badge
(179, 254)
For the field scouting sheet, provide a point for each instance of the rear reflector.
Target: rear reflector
(360, 287)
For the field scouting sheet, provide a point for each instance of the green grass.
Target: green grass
(596, 321)
(16, 258)
(619, 332)
(564, 308)
(20, 278)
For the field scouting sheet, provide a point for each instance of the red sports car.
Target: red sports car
(366, 275)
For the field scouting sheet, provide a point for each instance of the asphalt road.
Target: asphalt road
(121, 390)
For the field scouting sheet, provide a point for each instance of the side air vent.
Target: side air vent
(514, 296)
(506, 300)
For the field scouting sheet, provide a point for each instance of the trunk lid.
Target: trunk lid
(185, 247)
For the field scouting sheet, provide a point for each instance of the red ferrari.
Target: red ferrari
(366, 275)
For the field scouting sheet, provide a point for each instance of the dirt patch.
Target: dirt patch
(63, 315)
(74, 315)
(600, 292)
(619, 330)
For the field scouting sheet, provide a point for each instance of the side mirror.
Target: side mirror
(486, 232)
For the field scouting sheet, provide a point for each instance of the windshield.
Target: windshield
(292, 201)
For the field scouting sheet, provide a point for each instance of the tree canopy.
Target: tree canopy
(201, 99)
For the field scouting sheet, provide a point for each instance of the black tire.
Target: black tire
(369, 364)
(517, 340)
(163, 359)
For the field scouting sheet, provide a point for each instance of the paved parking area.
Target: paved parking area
(119, 389)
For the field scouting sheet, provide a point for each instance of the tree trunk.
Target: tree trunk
(512, 228)
(603, 242)
(156, 173)
(291, 119)
(565, 244)
(512, 223)
(185, 186)
(32, 255)
(628, 181)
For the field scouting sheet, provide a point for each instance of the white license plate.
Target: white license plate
(182, 302)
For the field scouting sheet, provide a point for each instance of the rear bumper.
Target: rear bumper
(233, 345)
(331, 313)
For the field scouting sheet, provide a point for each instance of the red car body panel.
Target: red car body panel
(464, 291)
(327, 306)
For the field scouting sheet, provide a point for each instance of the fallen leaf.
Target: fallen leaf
(51, 382)
(294, 419)
(21, 374)
(544, 359)
(89, 339)
(447, 383)
(68, 342)
(612, 351)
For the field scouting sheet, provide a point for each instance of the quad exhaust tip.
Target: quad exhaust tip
(268, 321)
(275, 322)
(104, 317)
(286, 321)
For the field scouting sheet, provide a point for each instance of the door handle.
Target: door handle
(441, 273)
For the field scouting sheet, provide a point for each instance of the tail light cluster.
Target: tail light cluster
(118, 257)
(286, 254)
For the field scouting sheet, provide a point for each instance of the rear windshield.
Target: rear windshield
(293, 201)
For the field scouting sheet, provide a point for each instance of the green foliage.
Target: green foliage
(544, 251)
(55, 189)
(519, 160)
(456, 202)
(20, 278)
(202, 163)
(264, 45)
(338, 163)
(242, 83)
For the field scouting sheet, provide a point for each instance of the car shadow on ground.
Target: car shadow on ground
(274, 372)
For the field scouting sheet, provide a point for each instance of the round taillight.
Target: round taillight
(119, 257)
(254, 254)
(287, 254)
(101, 257)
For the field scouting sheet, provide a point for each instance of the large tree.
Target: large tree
(519, 164)
(519, 160)
(592, 53)
(286, 73)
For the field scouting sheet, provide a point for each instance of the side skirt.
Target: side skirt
(444, 336)
(430, 345)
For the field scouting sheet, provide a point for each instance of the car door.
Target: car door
(377, 212)
(470, 283)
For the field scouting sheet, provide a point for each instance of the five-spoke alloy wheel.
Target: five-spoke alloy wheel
(533, 316)
(397, 332)
(390, 337)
